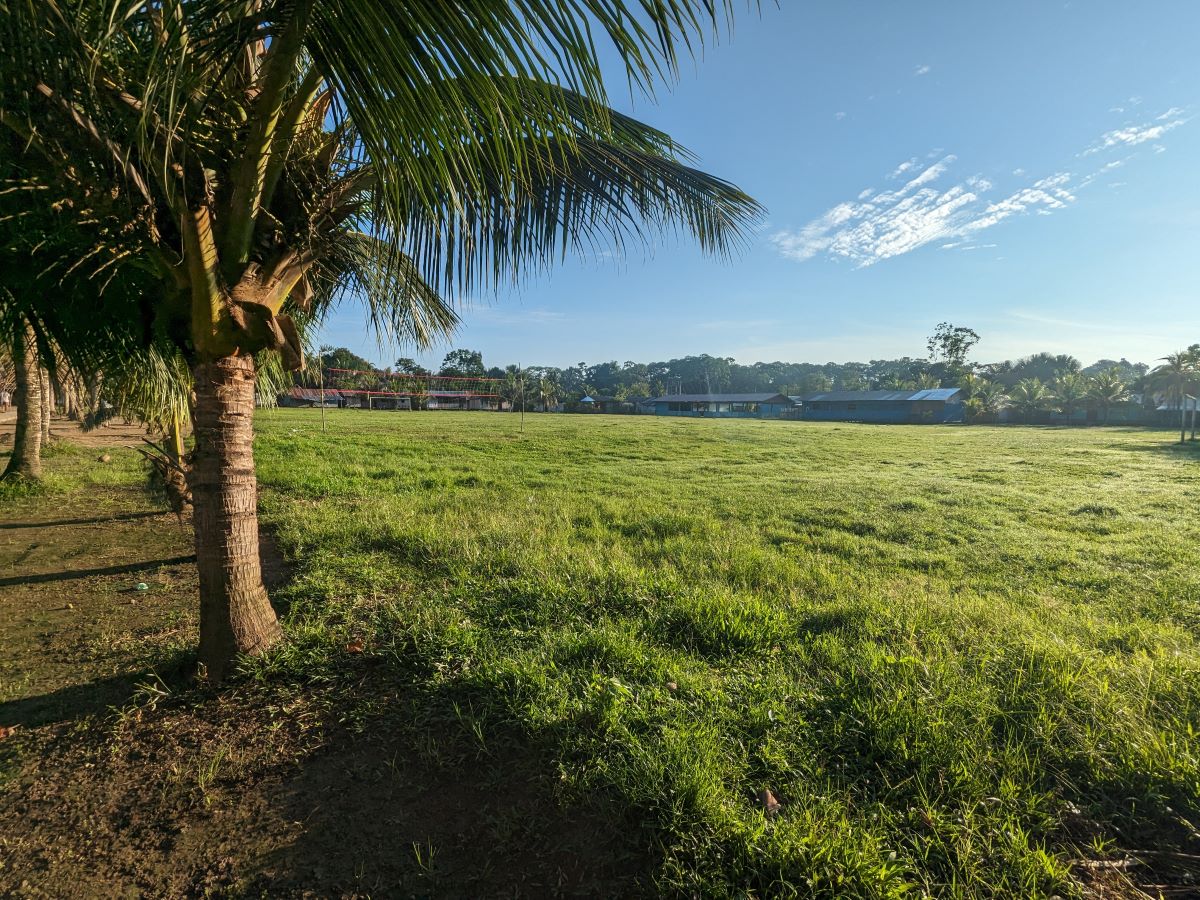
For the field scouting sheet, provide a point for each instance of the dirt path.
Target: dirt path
(114, 434)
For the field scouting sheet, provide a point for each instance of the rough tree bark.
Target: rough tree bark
(235, 612)
(26, 459)
(47, 404)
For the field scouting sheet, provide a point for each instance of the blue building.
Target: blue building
(893, 407)
(723, 406)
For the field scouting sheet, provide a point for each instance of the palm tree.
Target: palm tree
(1176, 375)
(1030, 396)
(988, 399)
(1108, 389)
(1070, 390)
(514, 387)
(547, 392)
(26, 459)
(271, 156)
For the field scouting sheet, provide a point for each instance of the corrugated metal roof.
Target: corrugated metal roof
(722, 398)
(881, 396)
(935, 394)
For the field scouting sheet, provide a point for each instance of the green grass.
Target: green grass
(956, 655)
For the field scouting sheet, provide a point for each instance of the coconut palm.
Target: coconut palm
(1176, 377)
(514, 387)
(1030, 396)
(988, 399)
(1070, 391)
(1107, 389)
(272, 156)
(26, 459)
(547, 392)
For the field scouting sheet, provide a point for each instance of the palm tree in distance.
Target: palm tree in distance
(272, 156)
(1107, 389)
(1030, 396)
(1070, 391)
(1176, 377)
(988, 399)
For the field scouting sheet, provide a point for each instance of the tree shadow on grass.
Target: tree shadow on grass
(98, 520)
(93, 698)
(74, 574)
(1188, 450)
(398, 811)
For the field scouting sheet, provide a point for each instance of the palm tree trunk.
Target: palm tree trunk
(26, 459)
(47, 404)
(235, 613)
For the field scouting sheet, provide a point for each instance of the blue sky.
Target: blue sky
(1028, 169)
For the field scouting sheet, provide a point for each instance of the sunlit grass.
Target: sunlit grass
(952, 653)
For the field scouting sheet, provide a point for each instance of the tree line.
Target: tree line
(1031, 387)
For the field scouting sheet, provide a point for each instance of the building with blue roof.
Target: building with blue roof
(932, 406)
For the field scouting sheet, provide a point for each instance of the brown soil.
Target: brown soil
(123, 779)
(116, 433)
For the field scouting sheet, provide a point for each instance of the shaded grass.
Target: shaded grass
(953, 654)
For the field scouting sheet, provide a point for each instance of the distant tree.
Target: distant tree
(950, 344)
(1175, 377)
(1030, 396)
(1070, 391)
(1107, 389)
(1130, 372)
(406, 366)
(515, 386)
(547, 392)
(341, 358)
(927, 381)
(812, 383)
(1045, 367)
(463, 364)
(986, 401)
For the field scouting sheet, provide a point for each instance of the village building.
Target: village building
(724, 406)
(931, 406)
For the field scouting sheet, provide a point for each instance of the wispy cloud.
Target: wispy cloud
(839, 115)
(1132, 135)
(922, 70)
(930, 208)
(919, 212)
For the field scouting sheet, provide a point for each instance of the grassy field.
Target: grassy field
(954, 655)
(964, 660)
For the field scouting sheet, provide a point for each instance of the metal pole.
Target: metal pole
(322, 367)
(521, 388)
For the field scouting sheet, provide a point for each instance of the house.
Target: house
(894, 407)
(601, 404)
(723, 406)
(301, 396)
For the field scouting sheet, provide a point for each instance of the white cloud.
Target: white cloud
(839, 115)
(1132, 135)
(913, 215)
(922, 70)
(925, 210)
